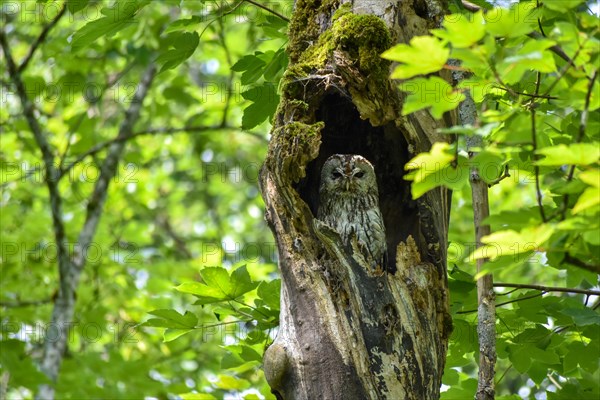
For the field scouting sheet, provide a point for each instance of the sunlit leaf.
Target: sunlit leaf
(424, 55)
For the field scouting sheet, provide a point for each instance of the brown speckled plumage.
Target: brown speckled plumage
(349, 203)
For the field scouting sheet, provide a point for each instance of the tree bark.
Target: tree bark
(346, 331)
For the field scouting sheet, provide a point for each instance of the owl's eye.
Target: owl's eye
(359, 174)
(336, 175)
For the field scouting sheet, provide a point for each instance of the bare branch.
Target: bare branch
(506, 302)
(41, 38)
(547, 289)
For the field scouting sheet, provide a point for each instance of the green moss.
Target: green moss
(303, 131)
(363, 37)
(304, 28)
(357, 42)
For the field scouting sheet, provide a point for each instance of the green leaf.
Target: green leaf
(433, 92)
(252, 66)
(264, 103)
(432, 169)
(275, 67)
(489, 165)
(424, 55)
(439, 156)
(197, 396)
(241, 282)
(589, 198)
(169, 318)
(172, 334)
(510, 242)
(184, 45)
(76, 5)
(573, 154)
(115, 18)
(517, 21)
(519, 357)
(218, 285)
(23, 371)
(583, 316)
(532, 56)
(269, 293)
(562, 5)
(183, 23)
(457, 24)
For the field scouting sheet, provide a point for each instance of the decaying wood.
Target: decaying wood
(346, 332)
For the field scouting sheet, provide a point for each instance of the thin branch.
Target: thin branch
(562, 73)
(581, 264)
(536, 167)
(533, 96)
(41, 38)
(503, 374)
(506, 302)
(267, 9)
(229, 60)
(548, 288)
(505, 174)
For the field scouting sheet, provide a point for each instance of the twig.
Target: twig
(506, 302)
(41, 38)
(229, 60)
(562, 73)
(536, 167)
(548, 288)
(505, 174)
(283, 17)
(533, 96)
(503, 374)
(581, 264)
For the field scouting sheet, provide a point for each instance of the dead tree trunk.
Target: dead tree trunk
(347, 332)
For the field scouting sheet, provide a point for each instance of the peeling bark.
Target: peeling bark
(347, 332)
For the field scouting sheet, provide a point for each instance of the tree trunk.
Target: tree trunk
(346, 331)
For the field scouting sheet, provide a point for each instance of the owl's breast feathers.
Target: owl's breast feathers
(354, 215)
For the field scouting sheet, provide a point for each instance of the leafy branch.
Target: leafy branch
(41, 38)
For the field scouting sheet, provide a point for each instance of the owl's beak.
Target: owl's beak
(347, 182)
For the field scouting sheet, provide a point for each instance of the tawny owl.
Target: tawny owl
(349, 203)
